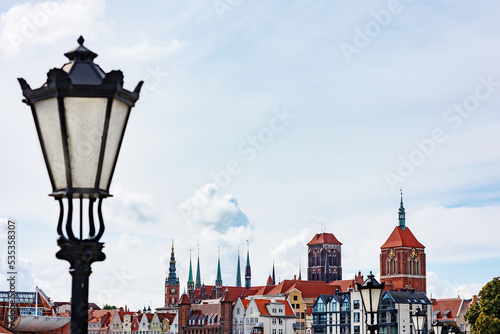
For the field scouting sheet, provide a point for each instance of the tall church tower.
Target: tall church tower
(402, 258)
(325, 258)
(172, 282)
(248, 270)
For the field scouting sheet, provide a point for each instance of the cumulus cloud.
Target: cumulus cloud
(442, 288)
(208, 209)
(26, 25)
(145, 49)
(130, 207)
(286, 254)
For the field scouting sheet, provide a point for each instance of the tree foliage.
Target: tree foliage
(484, 316)
(108, 307)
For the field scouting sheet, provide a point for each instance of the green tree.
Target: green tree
(108, 307)
(484, 316)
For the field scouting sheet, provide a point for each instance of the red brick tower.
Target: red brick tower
(402, 259)
(184, 306)
(226, 312)
(325, 258)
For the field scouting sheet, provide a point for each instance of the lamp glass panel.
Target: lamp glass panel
(85, 119)
(420, 321)
(376, 294)
(365, 297)
(47, 114)
(117, 123)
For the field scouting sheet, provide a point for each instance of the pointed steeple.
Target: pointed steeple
(401, 214)
(172, 276)
(248, 271)
(300, 269)
(198, 275)
(238, 271)
(218, 281)
(274, 276)
(190, 282)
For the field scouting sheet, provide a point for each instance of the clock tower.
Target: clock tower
(402, 258)
(172, 283)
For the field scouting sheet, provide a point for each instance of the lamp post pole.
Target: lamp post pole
(80, 115)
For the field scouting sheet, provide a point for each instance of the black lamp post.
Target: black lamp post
(80, 115)
(371, 294)
(418, 319)
(437, 327)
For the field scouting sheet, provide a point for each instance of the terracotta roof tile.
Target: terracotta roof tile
(452, 305)
(324, 238)
(402, 238)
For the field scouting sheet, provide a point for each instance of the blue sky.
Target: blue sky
(268, 122)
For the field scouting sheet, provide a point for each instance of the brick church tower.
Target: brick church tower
(402, 258)
(325, 258)
(172, 283)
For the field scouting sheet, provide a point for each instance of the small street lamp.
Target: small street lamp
(80, 115)
(437, 327)
(418, 319)
(371, 294)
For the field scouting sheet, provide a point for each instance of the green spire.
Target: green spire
(190, 282)
(198, 275)
(219, 276)
(248, 270)
(238, 271)
(401, 214)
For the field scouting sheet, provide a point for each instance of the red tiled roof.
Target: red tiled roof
(400, 237)
(261, 305)
(122, 313)
(169, 316)
(443, 305)
(309, 289)
(324, 238)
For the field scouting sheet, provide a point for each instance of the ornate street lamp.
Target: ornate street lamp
(418, 319)
(437, 327)
(371, 294)
(80, 115)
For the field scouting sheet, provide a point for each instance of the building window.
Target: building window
(280, 331)
(237, 310)
(356, 330)
(355, 304)
(295, 297)
(273, 320)
(356, 317)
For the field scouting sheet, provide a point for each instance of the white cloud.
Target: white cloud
(207, 208)
(27, 25)
(439, 288)
(145, 49)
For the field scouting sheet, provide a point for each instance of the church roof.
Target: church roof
(402, 238)
(324, 238)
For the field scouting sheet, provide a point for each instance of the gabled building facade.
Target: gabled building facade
(451, 311)
(395, 309)
(263, 316)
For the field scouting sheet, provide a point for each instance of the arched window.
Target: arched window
(410, 267)
(388, 270)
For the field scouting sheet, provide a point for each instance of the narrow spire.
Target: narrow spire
(238, 270)
(172, 277)
(190, 282)
(198, 275)
(218, 281)
(248, 271)
(300, 269)
(274, 276)
(401, 213)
